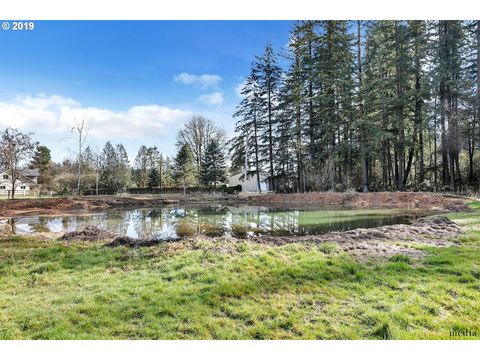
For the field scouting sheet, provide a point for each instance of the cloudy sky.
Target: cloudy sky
(134, 82)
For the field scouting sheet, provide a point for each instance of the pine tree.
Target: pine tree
(153, 178)
(122, 168)
(214, 165)
(141, 166)
(245, 147)
(108, 163)
(42, 161)
(268, 73)
(365, 105)
(450, 76)
(185, 173)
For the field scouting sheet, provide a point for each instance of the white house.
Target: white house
(26, 184)
(251, 185)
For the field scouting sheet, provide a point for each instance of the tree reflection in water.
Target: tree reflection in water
(216, 220)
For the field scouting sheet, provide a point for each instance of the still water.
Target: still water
(173, 222)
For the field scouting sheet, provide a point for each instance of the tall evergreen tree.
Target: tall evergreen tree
(214, 165)
(185, 170)
(142, 166)
(268, 73)
(245, 147)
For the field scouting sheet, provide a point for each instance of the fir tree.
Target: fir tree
(185, 168)
(153, 178)
(214, 165)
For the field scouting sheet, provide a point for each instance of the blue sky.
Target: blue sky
(135, 82)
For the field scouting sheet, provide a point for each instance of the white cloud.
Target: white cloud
(238, 89)
(213, 99)
(205, 81)
(55, 113)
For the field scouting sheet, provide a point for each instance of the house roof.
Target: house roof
(25, 172)
(30, 172)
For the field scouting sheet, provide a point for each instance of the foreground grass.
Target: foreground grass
(236, 291)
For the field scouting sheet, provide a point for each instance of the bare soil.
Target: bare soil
(89, 233)
(379, 243)
(390, 200)
(60, 206)
(384, 241)
(64, 206)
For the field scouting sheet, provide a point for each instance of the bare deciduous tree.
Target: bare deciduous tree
(16, 148)
(80, 132)
(197, 134)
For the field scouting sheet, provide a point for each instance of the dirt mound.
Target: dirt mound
(131, 242)
(383, 241)
(75, 205)
(365, 200)
(89, 233)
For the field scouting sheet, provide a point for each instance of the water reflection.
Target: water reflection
(215, 220)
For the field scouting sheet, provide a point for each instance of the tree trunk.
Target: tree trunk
(256, 151)
(363, 156)
(400, 144)
(270, 138)
(14, 182)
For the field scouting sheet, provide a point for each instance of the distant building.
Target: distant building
(251, 185)
(26, 184)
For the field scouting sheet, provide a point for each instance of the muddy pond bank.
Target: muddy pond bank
(79, 205)
(85, 205)
(388, 200)
(365, 244)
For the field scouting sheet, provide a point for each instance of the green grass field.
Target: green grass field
(241, 290)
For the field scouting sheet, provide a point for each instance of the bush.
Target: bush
(240, 230)
(185, 229)
(212, 230)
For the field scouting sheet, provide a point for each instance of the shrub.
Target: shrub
(240, 230)
(212, 230)
(185, 229)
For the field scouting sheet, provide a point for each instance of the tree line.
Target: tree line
(364, 105)
(200, 161)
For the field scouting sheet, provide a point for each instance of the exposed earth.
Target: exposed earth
(60, 206)
(381, 242)
(376, 243)
(390, 200)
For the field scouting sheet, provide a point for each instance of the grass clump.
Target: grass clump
(185, 229)
(212, 230)
(240, 230)
(401, 258)
(328, 248)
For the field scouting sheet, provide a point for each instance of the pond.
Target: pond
(173, 222)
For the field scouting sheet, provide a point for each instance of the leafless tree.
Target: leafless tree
(197, 133)
(16, 148)
(80, 133)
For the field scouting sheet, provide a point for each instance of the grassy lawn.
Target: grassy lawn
(241, 290)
